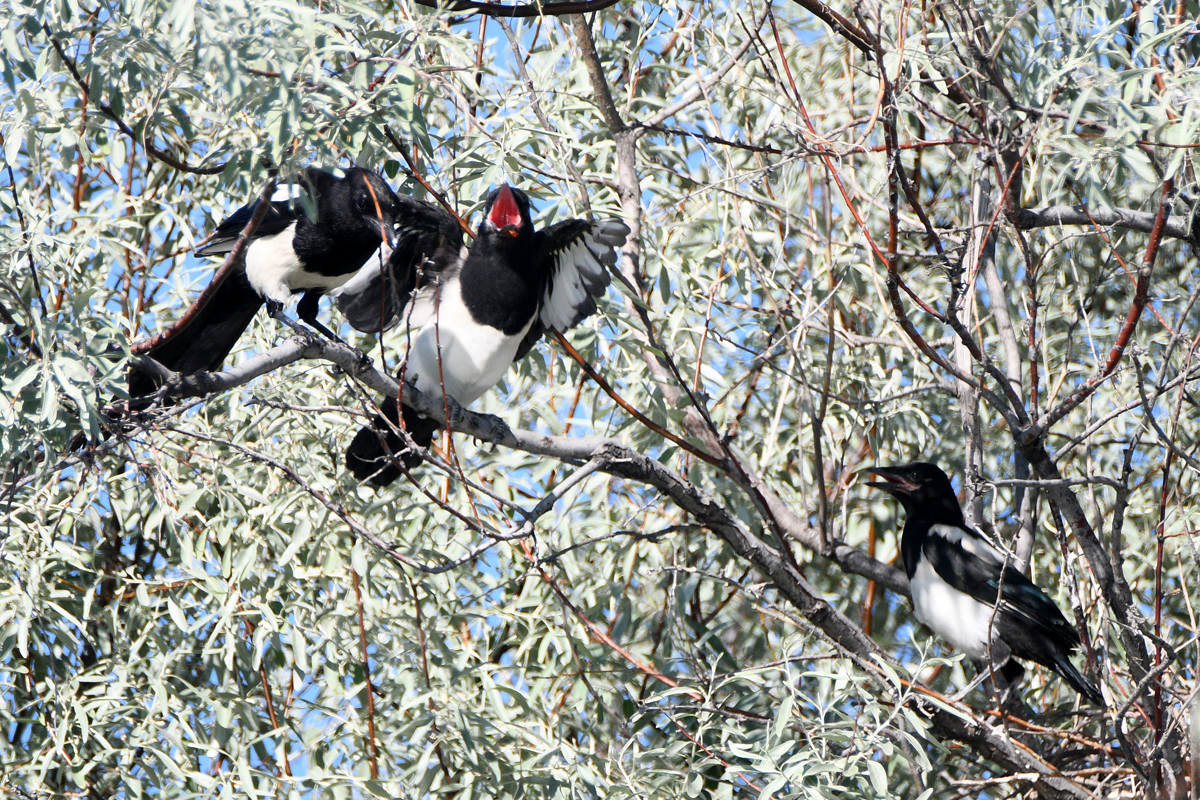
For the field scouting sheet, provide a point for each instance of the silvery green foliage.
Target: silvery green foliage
(182, 617)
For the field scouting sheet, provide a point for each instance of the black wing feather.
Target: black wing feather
(428, 243)
(279, 216)
(1028, 622)
(985, 580)
(574, 255)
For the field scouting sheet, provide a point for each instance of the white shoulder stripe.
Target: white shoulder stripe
(285, 192)
(971, 541)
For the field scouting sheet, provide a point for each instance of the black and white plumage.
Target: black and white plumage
(967, 591)
(289, 253)
(471, 313)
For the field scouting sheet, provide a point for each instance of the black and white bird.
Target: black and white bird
(289, 253)
(967, 591)
(471, 313)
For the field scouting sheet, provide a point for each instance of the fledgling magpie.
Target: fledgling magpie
(289, 253)
(471, 313)
(965, 589)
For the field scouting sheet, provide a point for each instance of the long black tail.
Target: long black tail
(1079, 683)
(373, 453)
(203, 343)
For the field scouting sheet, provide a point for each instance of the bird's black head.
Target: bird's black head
(374, 203)
(921, 485)
(506, 216)
(359, 208)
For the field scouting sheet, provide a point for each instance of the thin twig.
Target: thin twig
(531, 10)
(107, 110)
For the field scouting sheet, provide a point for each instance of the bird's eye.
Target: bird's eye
(361, 203)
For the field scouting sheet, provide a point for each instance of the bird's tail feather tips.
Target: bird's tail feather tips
(217, 247)
(1078, 682)
(371, 455)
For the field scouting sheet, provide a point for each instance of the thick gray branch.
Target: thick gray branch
(1143, 221)
(490, 429)
(1112, 584)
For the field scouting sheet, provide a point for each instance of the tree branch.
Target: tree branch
(842, 26)
(530, 10)
(1140, 298)
(1142, 221)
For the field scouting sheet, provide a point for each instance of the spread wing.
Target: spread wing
(973, 565)
(576, 255)
(280, 215)
(579, 255)
(428, 243)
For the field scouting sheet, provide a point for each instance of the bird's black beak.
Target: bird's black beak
(382, 220)
(386, 228)
(893, 483)
(505, 215)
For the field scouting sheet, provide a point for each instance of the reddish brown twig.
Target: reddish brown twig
(1140, 297)
(598, 633)
(825, 156)
(623, 403)
(419, 178)
(420, 624)
(1117, 254)
(266, 687)
(372, 743)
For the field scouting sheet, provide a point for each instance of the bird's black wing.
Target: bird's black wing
(428, 243)
(575, 255)
(972, 565)
(279, 216)
(1028, 622)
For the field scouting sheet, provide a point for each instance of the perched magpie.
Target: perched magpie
(290, 252)
(470, 313)
(965, 589)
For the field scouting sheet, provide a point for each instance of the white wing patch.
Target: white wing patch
(971, 541)
(361, 281)
(581, 274)
(285, 192)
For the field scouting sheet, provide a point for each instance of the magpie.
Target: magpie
(967, 591)
(290, 252)
(470, 312)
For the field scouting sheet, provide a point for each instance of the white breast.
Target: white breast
(955, 616)
(473, 359)
(275, 272)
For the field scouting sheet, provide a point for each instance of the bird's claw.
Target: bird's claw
(364, 361)
(498, 429)
(275, 310)
(454, 412)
